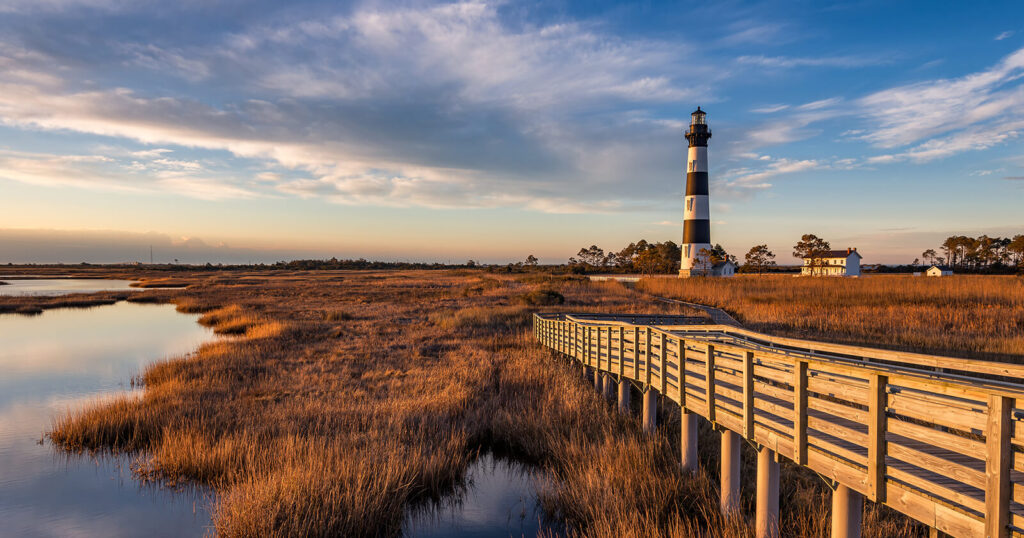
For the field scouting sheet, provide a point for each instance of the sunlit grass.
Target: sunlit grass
(340, 405)
(970, 316)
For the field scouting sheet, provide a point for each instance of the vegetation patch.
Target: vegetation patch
(971, 316)
(303, 431)
(543, 297)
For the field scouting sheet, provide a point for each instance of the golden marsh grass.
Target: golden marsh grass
(308, 422)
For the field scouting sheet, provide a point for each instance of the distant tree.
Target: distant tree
(718, 255)
(648, 262)
(658, 258)
(950, 246)
(758, 258)
(703, 262)
(592, 256)
(1016, 249)
(471, 263)
(531, 260)
(929, 256)
(812, 248)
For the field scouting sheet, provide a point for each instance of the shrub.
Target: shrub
(542, 298)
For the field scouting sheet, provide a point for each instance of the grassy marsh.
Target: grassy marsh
(965, 315)
(346, 398)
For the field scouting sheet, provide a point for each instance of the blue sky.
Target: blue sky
(256, 131)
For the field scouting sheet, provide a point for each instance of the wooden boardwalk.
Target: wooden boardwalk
(939, 439)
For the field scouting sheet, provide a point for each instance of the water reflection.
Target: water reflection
(61, 286)
(65, 359)
(499, 500)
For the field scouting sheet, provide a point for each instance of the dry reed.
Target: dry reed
(314, 425)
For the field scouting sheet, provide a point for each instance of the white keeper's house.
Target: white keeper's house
(833, 263)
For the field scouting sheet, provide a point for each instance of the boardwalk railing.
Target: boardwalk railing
(939, 439)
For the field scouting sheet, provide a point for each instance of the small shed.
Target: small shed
(936, 270)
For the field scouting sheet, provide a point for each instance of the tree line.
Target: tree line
(977, 253)
(663, 258)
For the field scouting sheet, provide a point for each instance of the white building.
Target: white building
(935, 270)
(833, 263)
(726, 268)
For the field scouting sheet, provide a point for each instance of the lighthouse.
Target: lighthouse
(696, 211)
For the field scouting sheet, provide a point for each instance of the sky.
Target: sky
(231, 131)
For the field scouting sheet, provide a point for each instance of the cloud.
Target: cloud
(102, 172)
(770, 109)
(947, 116)
(433, 106)
(783, 62)
(153, 57)
(1004, 35)
(755, 177)
(820, 104)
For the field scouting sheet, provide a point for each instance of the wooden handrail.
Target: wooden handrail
(936, 438)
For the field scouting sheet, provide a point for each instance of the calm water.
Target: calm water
(63, 359)
(499, 501)
(61, 286)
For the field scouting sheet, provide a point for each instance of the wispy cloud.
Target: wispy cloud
(785, 62)
(1004, 35)
(107, 173)
(770, 109)
(948, 116)
(820, 104)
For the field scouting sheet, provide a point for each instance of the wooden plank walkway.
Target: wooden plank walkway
(939, 439)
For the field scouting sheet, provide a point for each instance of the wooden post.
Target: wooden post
(709, 377)
(730, 499)
(800, 412)
(590, 346)
(647, 355)
(650, 410)
(748, 395)
(847, 511)
(625, 393)
(877, 402)
(622, 350)
(682, 373)
(636, 351)
(997, 467)
(609, 386)
(767, 515)
(661, 366)
(688, 441)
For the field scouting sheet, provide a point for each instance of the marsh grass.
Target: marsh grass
(161, 283)
(310, 427)
(970, 316)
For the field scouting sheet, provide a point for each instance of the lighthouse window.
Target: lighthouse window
(687, 252)
(691, 166)
(689, 204)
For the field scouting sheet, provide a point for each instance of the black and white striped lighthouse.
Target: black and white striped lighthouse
(696, 210)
